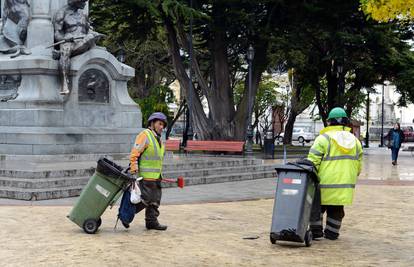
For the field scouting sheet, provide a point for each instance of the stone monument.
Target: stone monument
(60, 94)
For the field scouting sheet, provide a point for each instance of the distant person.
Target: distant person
(146, 161)
(395, 138)
(337, 157)
(258, 138)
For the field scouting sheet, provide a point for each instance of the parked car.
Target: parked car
(299, 134)
(408, 133)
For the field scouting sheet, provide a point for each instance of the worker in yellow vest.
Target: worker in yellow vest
(146, 161)
(337, 157)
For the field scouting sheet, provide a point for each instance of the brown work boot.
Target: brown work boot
(156, 226)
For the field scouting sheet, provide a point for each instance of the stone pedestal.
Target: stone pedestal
(97, 117)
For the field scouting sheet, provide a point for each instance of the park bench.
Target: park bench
(215, 146)
(172, 145)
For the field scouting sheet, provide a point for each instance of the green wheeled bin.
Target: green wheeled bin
(103, 189)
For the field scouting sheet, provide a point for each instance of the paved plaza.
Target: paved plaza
(221, 225)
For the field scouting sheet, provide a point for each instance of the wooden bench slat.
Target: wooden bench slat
(223, 146)
(172, 145)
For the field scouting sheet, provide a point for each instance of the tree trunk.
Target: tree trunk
(201, 124)
(287, 138)
(260, 60)
(223, 122)
(221, 100)
(321, 108)
(298, 105)
(178, 115)
(332, 89)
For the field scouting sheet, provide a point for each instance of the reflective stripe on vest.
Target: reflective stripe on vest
(154, 143)
(316, 152)
(329, 158)
(151, 158)
(150, 163)
(337, 186)
(150, 170)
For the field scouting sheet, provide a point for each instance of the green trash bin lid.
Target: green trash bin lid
(111, 169)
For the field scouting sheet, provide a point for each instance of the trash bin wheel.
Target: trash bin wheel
(99, 222)
(308, 238)
(272, 239)
(90, 226)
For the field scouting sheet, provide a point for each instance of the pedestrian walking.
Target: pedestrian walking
(337, 157)
(146, 161)
(395, 138)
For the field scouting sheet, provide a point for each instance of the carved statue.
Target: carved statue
(74, 36)
(16, 16)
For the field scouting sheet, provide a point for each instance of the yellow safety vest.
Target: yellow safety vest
(337, 156)
(150, 162)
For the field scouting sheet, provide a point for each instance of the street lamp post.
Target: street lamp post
(190, 132)
(382, 118)
(249, 133)
(367, 132)
(341, 84)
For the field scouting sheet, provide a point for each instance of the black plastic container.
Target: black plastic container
(293, 204)
(111, 169)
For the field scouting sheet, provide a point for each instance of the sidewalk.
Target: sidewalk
(377, 169)
(376, 229)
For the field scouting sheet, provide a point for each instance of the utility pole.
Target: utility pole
(368, 106)
(190, 131)
(249, 132)
(382, 118)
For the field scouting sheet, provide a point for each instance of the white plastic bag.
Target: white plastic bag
(135, 192)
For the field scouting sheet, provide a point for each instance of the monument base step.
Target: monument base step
(46, 182)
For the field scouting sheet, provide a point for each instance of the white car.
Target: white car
(299, 134)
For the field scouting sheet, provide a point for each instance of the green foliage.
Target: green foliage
(133, 26)
(158, 100)
(326, 35)
(313, 37)
(266, 96)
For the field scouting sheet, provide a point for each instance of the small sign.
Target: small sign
(291, 181)
(290, 192)
(102, 190)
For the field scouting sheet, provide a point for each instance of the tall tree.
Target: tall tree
(345, 52)
(266, 97)
(301, 98)
(222, 33)
(389, 10)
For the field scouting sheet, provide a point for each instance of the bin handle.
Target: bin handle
(297, 165)
(314, 176)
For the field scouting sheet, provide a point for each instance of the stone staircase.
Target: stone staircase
(67, 179)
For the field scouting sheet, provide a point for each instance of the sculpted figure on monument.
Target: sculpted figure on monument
(15, 18)
(74, 36)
